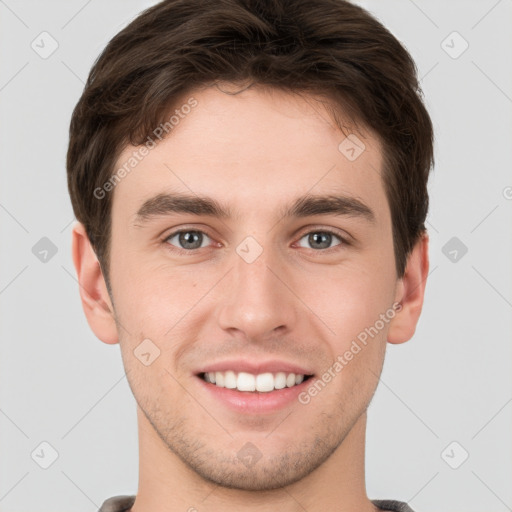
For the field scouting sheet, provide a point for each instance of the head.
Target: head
(291, 141)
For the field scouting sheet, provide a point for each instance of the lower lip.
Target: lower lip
(255, 402)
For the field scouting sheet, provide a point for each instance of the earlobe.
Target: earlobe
(410, 293)
(95, 299)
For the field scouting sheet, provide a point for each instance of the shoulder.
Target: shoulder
(392, 506)
(117, 504)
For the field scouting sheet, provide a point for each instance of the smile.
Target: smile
(248, 382)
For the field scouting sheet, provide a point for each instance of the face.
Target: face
(252, 287)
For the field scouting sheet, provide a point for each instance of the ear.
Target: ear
(93, 290)
(410, 293)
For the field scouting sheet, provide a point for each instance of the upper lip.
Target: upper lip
(255, 367)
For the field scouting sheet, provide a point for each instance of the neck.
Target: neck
(167, 484)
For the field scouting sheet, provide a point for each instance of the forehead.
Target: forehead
(253, 150)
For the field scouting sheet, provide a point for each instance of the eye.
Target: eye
(321, 239)
(188, 239)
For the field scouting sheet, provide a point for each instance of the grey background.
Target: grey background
(451, 382)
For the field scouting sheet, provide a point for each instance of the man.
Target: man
(250, 181)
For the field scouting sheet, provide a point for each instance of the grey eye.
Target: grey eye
(188, 239)
(320, 239)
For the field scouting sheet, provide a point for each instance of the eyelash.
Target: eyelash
(343, 240)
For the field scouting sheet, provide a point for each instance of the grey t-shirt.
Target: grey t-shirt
(124, 503)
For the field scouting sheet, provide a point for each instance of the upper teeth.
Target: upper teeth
(263, 382)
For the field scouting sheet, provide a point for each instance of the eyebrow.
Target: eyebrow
(304, 206)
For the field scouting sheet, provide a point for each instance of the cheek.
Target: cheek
(351, 305)
(350, 301)
(352, 308)
(151, 294)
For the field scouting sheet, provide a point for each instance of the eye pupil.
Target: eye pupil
(324, 239)
(185, 239)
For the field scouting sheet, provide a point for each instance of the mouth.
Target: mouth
(253, 387)
(245, 382)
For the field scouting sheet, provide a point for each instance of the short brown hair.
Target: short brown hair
(330, 48)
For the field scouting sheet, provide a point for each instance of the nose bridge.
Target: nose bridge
(256, 302)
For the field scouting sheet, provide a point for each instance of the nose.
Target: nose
(258, 300)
